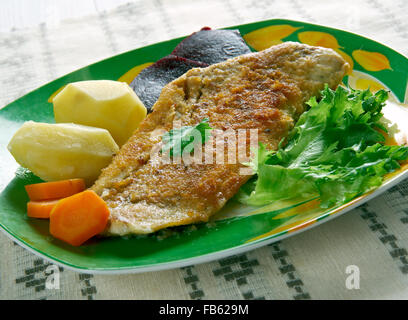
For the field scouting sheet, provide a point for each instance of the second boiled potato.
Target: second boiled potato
(107, 104)
(60, 151)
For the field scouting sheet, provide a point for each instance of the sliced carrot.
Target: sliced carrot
(54, 190)
(79, 217)
(40, 209)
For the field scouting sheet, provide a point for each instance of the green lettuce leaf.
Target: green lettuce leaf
(335, 151)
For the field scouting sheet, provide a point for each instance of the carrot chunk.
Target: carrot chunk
(40, 209)
(79, 217)
(55, 189)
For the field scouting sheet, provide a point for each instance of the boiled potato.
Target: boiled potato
(62, 151)
(107, 104)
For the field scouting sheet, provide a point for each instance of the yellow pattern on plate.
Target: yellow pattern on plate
(51, 98)
(132, 73)
(321, 39)
(265, 37)
(371, 61)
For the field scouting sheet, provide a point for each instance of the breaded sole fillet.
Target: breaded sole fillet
(265, 90)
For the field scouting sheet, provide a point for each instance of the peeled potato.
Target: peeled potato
(62, 151)
(107, 104)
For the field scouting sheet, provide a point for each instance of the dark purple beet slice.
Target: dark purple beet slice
(212, 46)
(150, 81)
(200, 49)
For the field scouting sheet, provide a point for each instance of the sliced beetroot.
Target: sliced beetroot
(150, 81)
(200, 49)
(212, 46)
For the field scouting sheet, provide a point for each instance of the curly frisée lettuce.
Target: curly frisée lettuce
(335, 151)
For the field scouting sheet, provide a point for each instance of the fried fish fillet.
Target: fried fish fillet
(265, 90)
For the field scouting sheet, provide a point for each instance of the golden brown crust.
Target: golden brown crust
(264, 91)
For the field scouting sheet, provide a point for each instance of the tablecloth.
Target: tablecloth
(315, 264)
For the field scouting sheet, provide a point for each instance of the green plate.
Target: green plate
(236, 228)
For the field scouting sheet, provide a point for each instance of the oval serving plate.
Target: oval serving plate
(235, 228)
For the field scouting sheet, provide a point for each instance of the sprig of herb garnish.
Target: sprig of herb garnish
(184, 139)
